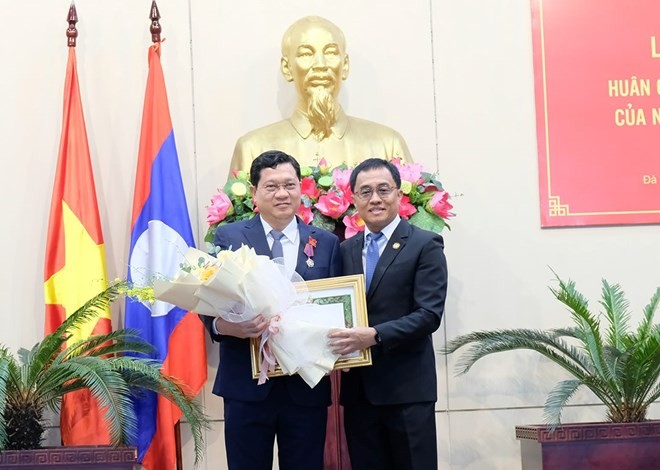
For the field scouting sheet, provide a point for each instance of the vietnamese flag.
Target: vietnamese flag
(75, 256)
(160, 235)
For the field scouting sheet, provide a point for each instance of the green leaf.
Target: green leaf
(423, 219)
(323, 222)
(210, 233)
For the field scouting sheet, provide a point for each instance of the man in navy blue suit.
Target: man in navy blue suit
(285, 407)
(389, 413)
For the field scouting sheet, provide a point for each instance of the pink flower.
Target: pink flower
(332, 204)
(354, 225)
(439, 204)
(309, 189)
(324, 168)
(342, 181)
(406, 209)
(409, 171)
(305, 213)
(220, 208)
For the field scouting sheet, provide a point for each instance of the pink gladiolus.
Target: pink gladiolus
(220, 208)
(439, 204)
(332, 204)
(342, 181)
(309, 189)
(409, 171)
(305, 213)
(354, 225)
(406, 209)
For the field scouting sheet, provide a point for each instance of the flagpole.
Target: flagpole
(71, 35)
(155, 29)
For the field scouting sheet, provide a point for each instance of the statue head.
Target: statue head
(314, 58)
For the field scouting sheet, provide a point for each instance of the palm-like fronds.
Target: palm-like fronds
(622, 368)
(38, 378)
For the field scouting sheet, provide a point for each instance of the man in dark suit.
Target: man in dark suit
(389, 407)
(285, 407)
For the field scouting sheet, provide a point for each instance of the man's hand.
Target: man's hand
(246, 329)
(351, 339)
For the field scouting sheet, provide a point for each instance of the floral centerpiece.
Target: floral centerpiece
(327, 200)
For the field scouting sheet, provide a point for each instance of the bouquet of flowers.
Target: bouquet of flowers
(239, 285)
(327, 200)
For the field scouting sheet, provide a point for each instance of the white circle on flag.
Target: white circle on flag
(157, 254)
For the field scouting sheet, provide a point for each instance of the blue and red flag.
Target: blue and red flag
(160, 236)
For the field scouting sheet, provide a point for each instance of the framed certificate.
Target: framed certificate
(340, 302)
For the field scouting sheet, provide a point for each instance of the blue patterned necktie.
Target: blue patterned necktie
(373, 253)
(276, 250)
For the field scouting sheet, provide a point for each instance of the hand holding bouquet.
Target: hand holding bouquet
(238, 286)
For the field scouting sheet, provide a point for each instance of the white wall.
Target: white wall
(454, 77)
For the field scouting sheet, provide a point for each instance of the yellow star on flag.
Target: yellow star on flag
(83, 274)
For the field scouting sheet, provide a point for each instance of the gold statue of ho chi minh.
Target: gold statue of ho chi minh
(314, 58)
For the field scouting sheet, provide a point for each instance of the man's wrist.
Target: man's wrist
(377, 337)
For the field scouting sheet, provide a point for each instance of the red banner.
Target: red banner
(597, 82)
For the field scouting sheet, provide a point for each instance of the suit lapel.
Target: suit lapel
(255, 236)
(395, 245)
(304, 231)
(356, 253)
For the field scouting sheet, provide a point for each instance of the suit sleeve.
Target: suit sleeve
(428, 299)
(335, 259)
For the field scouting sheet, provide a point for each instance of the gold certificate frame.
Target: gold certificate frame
(346, 293)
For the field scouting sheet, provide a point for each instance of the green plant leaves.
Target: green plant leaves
(622, 368)
(40, 377)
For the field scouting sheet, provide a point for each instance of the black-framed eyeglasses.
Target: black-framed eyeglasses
(383, 191)
(289, 186)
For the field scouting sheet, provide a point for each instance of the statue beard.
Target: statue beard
(322, 112)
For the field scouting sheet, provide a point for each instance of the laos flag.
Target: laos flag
(160, 235)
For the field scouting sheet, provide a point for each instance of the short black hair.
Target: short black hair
(271, 159)
(374, 164)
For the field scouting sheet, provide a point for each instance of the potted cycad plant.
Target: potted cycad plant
(36, 380)
(620, 365)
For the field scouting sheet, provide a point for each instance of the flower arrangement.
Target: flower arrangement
(327, 200)
(230, 204)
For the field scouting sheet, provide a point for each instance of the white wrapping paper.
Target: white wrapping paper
(239, 285)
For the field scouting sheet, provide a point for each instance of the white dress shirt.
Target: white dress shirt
(290, 243)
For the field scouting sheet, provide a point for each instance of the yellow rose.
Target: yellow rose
(406, 187)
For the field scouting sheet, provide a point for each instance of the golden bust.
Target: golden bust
(314, 58)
